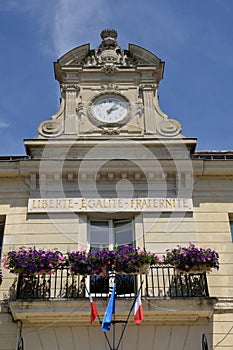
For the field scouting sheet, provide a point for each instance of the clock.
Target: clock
(109, 109)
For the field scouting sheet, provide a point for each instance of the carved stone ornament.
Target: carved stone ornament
(50, 128)
(148, 87)
(80, 110)
(169, 127)
(55, 126)
(110, 131)
(70, 87)
(109, 54)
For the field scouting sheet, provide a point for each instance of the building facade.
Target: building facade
(111, 168)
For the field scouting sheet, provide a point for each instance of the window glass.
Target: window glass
(231, 227)
(99, 235)
(108, 233)
(2, 224)
(123, 232)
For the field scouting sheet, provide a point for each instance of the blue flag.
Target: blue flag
(106, 324)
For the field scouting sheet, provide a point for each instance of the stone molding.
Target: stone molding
(175, 311)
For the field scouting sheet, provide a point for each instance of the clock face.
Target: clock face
(110, 110)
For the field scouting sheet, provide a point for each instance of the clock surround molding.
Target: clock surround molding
(109, 94)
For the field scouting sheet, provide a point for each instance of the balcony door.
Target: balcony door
(107, 234)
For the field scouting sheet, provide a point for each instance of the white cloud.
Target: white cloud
(63, 24)
(4, 125)
(75, 22)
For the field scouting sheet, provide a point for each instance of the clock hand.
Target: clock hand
(113, 108)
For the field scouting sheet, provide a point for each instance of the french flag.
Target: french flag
(94, 312)
(138, 312)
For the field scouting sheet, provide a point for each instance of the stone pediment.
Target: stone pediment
(134, 56)
(108, 53)
(144, 57)
(75, 56)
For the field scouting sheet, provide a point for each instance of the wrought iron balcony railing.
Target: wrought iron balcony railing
(161, 282)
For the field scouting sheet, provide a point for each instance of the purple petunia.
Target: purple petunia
(29, 260)
(192, 258)
(125, 258)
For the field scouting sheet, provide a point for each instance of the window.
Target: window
(231, 227)
(230, 218)
(106, 234)
(2, 225)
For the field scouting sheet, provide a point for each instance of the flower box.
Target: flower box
(194, 270)
(142, 270)
(192, 259)
(30, 261)
(124, 259)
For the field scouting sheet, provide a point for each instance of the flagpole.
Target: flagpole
(126, 322)
(113, 332)
(112, 283)
(105, 335)
(100, 322)
(114, 321)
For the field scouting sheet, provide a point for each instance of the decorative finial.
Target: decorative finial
(108, 33)
(109, 53)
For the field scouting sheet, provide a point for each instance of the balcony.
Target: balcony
(62, 296)
(161, 282)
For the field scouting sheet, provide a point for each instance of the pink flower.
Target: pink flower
(4, 260)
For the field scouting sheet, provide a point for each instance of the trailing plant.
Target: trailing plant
(129, 259)
(29, 260)
(192, 258)
(122, 259)
(125, 258)
(77, 260)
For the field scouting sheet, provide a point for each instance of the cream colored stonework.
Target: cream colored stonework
(145, 155)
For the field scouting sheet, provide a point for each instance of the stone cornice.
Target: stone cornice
(172, 156)
(224, 305)
(202, 168)
(78, 311)
(147, 141)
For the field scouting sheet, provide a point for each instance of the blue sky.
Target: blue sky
(194, 38)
